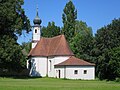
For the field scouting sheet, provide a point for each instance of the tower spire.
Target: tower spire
(37, 11)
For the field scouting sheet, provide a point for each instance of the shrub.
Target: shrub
(117, 79)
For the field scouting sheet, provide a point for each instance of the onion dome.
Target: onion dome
(37, 20)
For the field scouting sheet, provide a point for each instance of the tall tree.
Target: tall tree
(51, 30)
(106, 40)
(12, 22)
(69, 17)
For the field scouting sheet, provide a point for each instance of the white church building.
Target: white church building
(53, 57)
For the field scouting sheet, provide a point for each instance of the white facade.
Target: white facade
(38, 66)
(76, 72)
(44, 66)
(53, 61)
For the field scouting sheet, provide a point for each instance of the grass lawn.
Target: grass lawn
(55, 84)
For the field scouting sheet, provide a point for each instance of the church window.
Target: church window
(50, 65)
(75, 71)
(85, 71)
(35, 30)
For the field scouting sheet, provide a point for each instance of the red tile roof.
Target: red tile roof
(55, 46)
(73, 61)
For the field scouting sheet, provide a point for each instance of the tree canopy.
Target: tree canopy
(82, 42)
(12, 17)
(107, 43)
(51, 30)
(12, 22)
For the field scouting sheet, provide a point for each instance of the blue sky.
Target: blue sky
(96, 13)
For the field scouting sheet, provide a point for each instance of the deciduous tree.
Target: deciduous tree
(82, 43)
(51, 30)
(107, 41)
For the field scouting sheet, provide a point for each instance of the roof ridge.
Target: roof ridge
(52, 37)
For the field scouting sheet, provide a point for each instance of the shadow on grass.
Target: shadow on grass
(20, 77)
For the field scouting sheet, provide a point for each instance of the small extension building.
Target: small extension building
(53, 57)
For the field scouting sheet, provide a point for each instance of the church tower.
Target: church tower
(36, 30)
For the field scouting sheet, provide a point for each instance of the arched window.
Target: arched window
(35, 30)
(50, 65)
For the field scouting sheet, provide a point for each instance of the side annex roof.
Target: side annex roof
(73, 61)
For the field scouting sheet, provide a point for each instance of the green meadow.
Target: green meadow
(56, 84)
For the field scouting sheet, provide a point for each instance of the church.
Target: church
(52, 57)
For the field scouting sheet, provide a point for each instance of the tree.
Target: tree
(12, 22)
(106, 40)
(114, 63)
(69, 17)
(11, 57)
(51, 30)
(12, 17)
(82, 43)
(77, 33)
